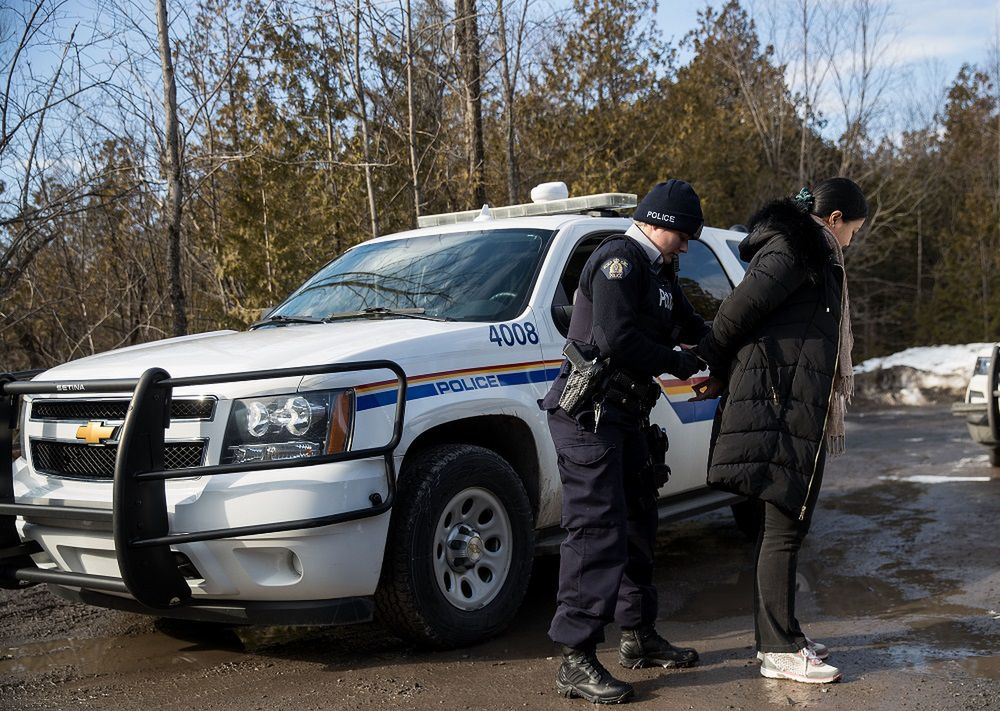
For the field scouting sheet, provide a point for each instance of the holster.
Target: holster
(587, 379)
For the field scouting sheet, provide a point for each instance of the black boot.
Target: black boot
(643, 647)
(581, 674)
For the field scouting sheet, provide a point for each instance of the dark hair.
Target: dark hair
(834, 194)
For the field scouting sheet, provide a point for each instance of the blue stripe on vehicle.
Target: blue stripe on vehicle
(417, 392)
(686, 412)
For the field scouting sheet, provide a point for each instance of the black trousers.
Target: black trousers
(610, 517)
(781, 535)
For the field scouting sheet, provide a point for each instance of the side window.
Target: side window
(703, 279)
(562, 302)
(734, 247)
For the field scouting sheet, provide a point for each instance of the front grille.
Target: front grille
(114, 409)
(84, 461)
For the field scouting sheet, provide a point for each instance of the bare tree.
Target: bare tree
(511, 42)
(467, 38)
(411, 134)
(350, 43)
(171, 163)
(35, 108)
(861, 72)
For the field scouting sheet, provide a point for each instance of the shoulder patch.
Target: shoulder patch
(616, 268)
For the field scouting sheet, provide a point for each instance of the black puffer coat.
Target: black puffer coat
(776, 338)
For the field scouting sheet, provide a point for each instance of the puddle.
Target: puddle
(986, 667)
(971, 641)
(934, 478)
(116, 655)
(841, 596)
(728, 597)
(874, 501)
(177, 644)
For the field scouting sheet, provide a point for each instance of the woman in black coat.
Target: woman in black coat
(783, 341)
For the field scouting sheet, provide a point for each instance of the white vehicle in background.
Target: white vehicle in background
(251, 476)
(980, 407)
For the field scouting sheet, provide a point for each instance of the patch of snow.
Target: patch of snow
(972, 461)
(918, 375)
(941, 360)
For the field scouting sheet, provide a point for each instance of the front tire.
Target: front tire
(995, 457)
(460, 548)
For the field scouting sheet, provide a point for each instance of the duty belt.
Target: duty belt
(592, 382)
(632, 394)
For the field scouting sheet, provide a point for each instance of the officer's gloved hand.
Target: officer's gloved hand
(683, 364)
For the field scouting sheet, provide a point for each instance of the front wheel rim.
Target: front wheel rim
(472, 547)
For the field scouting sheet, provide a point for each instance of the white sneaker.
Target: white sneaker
(820, 650)
(801, 666)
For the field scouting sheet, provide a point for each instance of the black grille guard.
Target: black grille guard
(138, 515)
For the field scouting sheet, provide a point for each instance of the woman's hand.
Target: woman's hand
(707, 390)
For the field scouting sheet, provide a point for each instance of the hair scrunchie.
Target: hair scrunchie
(805, 200)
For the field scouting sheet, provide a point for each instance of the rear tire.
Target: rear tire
(995, 457)
(460, 548)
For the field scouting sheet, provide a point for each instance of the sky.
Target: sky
(949, 32)
(929, 41)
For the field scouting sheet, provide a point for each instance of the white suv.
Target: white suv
(980, 407)
(252, 476)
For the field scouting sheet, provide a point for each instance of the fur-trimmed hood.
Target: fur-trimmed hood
(784, 217)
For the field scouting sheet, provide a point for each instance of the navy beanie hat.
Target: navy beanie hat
(674, 205)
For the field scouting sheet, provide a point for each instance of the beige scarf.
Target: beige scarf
(843, 379)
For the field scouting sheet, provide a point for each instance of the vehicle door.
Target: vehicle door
(689, 424)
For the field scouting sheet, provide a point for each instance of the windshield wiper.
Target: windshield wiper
(382, 311)
(279, 319)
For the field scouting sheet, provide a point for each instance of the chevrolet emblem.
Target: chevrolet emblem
(95, 432)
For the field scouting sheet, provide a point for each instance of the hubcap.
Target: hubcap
(472, 549)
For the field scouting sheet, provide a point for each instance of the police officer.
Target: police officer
(629, 309)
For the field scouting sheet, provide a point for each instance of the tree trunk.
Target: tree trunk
(359, 89)
(513, 180)
(411, 135)
(467, 29)
(171, 168)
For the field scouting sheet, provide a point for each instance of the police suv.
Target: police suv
(373, 446)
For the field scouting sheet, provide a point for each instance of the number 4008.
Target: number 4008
(509, 335)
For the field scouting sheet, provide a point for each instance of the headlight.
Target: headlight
(278, 427)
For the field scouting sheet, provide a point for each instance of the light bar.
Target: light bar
(584, 203)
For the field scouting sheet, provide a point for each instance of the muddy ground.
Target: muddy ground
(900, 576)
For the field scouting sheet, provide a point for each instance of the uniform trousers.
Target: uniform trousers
(610, 517)
(778, 542)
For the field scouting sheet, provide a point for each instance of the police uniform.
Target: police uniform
(630, 306)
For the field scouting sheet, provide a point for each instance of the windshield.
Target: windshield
(464, 276)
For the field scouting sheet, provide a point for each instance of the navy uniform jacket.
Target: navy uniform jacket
(632, 309)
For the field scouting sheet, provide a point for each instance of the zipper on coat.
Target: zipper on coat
(772, 370)
(829, 402)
